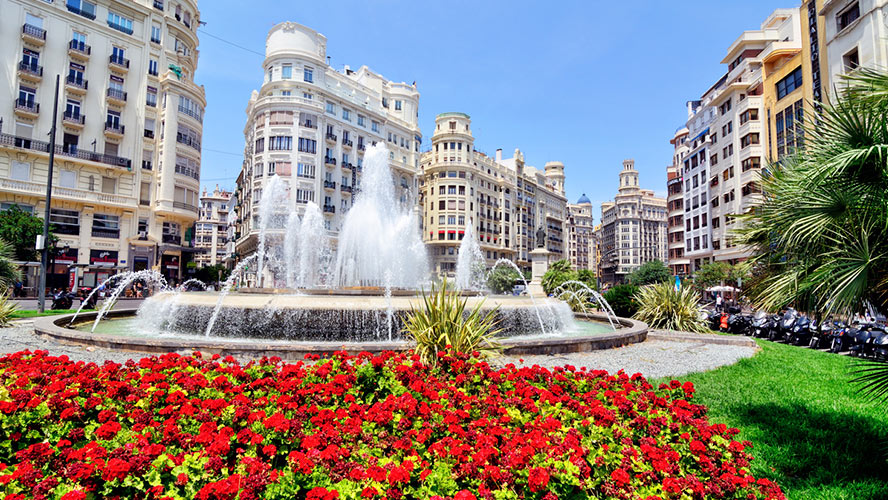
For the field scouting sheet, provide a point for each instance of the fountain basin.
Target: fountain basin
(629, 332)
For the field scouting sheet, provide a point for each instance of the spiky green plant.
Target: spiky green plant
(663, 307)
(9, 272)
(444, 320)
(7, 307)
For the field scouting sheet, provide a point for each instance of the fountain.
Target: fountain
(593, 294)
(317, 288)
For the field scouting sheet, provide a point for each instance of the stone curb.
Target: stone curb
(706, 338)
(630, 332)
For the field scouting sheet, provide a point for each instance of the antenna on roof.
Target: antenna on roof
(328, 60)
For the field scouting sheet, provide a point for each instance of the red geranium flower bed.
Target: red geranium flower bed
(367, 426)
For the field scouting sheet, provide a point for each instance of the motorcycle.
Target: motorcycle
(879, 338)
(841, 337)
(820, 335)
(62, 300)
(88, 299)
(757, 324)
(800, 333)
(738, 324)
(858, 338)
(784, 326)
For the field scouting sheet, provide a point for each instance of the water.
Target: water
(470, 263)
(150, 276)
(103, 286)
(314, 249)
(507, 262)
(272, 215)
(592, 293)
(226, 287)
(193, 281)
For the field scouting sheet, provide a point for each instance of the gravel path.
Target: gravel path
(653, 358)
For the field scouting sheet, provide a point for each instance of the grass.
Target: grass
(32, 313)
(813, 432)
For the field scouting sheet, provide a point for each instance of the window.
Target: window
(308, 75)
(155, 33)
(145, 194)
(191, 108)
(751, 163)
(109, 185)
(749, 114)
(21, 171)
(280, 143)
(31, 59)
(361, 123)
(65, 221)
(72, 109)
(120, 23)
(851, 60)
(106, 226)
(113, 120)
(305, 170)
(83, 8)
(789, 83)
(331, 108)
(346, 114)
(152, 67)
(397, 105)
(308, 145)
(260, 145)
(374, 126)
(727, 129)
(385, 102)
(749, 139)
(287, 72)
(151, 97)
(847, 16)
(149, 128)
(68, 178)
(724, 108)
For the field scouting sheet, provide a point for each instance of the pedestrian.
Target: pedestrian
(718, 302)
(17, 289)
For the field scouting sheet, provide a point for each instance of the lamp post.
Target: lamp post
(41, 291)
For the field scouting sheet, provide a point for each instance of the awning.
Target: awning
(705, 131)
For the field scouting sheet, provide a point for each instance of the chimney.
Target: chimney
(499, 154)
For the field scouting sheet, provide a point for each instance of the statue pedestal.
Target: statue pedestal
(539, 259)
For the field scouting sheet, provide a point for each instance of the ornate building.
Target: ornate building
(581, 237)
(211, 230)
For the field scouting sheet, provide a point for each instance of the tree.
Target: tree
(502, 279)
(649, 273)
(558, 273)
(20, 230)
(712, 274)
(211, 274)
(821, 229)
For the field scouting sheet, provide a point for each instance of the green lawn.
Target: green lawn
(811, 431)
(31, 313)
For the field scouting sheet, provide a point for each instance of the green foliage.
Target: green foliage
(7, 309)
(622, 300)
(560, 272)
(443, 320)
(210, 274)
(831, 448)
(502, 279)
(662, 306)
(9, 272)
(20, 230)
(649, 273)
(821, 230)
(719, 273)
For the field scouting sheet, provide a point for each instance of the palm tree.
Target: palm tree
(821, 230)
(9, 272)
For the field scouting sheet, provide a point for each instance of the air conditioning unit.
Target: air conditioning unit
(143, 235)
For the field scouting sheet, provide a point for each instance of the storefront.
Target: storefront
(102, 265)
(141, 257)
(57, 275)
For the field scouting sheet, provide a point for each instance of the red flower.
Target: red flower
(538, 479)
(621, 477)
(464, 495)
(74, 495)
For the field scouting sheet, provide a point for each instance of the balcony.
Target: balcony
(26, 108)
(147, 165)
(116, 96)
(75, 120)
(308, 125)
(347, 166)
(184, 206)
(30, 71)
(79, 50)
(114, 130)
(362, 147)
(121, 28)
(43, 147)
(329, 209)
(119, 63)
(329, 185)
(75, 85)
(80, 12)
(330, 161)
(331, 137)
(171, 238)
(105, 233)
(33, 34)
(346, 189)
(347, 143)
(151, 100)
(149, 134)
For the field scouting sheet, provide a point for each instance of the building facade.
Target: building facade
(855, 34)
(211, 230)
(505, 200)
(581, 234)
(675, 223)
(696, 169)
(633, 228)
(310, 125)
(128, 106)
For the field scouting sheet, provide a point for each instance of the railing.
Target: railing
(345, 189)
(76, 118)
(26, 105)
(119, 61)
(147, 165)
(106, 233)
(34, 31)
(81, 12)
(193, 114)
(31, 69)
(309, 125)
(116, 94)
(347, 165)
(152, 72)
(329, 185)
(43, 147)
(346, 142)
(331, 137)
(330, 209)
(330, 161)
(184, 206)
(362, 147)
(77, 83)
(78, 46)
(120, 27)
(151, 100)
(114, 128)
(188, 172)
(70, 193)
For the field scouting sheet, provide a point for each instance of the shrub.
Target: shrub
(7, 308)
(350, 427)
(560, 272)
(622, 300)
(443, 321)
(9, 271)
(502, 279)
(662, 306)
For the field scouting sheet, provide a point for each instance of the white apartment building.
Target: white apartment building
(211, 230)
(505, 200)
(633, 228)
(581, 236)
(738, 133)
(311, 125)
(695, 169)
(675, 226)
(128, 106)
(856, 34)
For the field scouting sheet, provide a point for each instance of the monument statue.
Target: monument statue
(541, 237)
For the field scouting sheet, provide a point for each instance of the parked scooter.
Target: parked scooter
(738, 324)
(879, 343)
(821, 335)
(784, 326)
(800, 333)
(63, 300)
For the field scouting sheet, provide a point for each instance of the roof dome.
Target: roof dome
(584, 200)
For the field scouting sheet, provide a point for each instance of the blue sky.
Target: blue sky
(588, 83)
